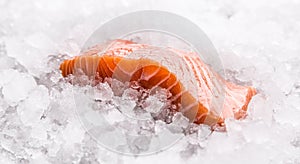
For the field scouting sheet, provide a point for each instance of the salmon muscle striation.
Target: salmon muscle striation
(150, 74)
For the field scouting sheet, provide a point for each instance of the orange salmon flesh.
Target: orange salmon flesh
(112, 63)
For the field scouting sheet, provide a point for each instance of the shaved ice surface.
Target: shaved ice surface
(258, 43)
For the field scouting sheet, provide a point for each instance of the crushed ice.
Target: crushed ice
(257, 41)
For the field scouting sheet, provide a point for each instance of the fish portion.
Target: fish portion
(217, 99)
(236, 98)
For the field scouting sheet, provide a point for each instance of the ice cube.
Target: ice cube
(153, 105)
(296, 141)
(69, 47)
(114, 116)
(39, 131)
(138, 144)
(32, 108)
(9, 74)
(290, 117)
(127, 107)
(179, 123)
(131, 94)
(6, 62)
(5, 159)
(73, 133)
(18, 87)
(38, 158)
(103, 92)
(256, 132)
(39, 40)
(260, 107)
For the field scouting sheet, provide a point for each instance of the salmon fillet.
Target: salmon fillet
(216, 99)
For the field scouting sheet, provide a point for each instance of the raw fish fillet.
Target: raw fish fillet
(217, 99)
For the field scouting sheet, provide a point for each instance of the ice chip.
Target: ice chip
(39, 40)
(6, 62)
(18, 87)
(138, 144)
(260, 108)
(179, 123)
(296, 141)
(73, 133)
(257, 132)
(5, 159)
(291, 117)
(32, 108)
(39, 131)
(114, 116)
(38, 158)
(131, 94)
(103, 92)
(153, 105)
